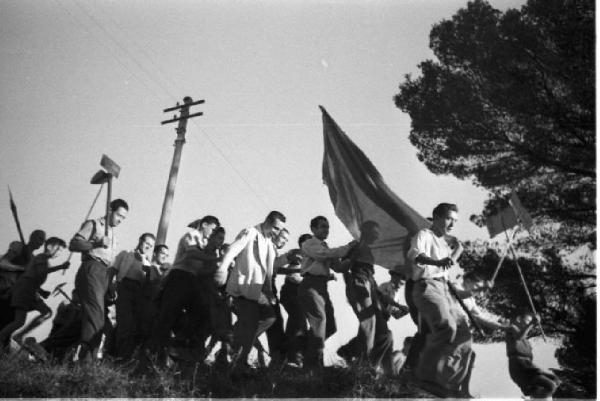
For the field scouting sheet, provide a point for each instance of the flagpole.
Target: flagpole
(87, 216)
(13, 208)
(495, 275)
(527, 290)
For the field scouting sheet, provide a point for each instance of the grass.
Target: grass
(20, 377)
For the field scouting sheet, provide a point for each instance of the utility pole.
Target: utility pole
(184, 115)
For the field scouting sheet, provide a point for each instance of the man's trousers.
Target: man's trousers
(295, 327)
(91, 284)
(445, 357)
(373, 340)
(253, 319)
(135, 316)
(318, 310)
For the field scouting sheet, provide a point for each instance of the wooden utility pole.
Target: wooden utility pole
(163, 225)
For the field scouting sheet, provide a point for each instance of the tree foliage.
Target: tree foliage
(510, 103)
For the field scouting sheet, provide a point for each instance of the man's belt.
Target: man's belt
(131, 281)
(315, 275)
(86, 257)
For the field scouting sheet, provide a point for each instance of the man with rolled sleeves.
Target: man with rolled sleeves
(431, 257)
(130, 269)
(97, 243)
(317, 265)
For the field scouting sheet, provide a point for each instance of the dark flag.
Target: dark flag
(358, 193)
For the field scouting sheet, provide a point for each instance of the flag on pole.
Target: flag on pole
(521, 212)
(503, 220)
(508, 217)
(358, 193)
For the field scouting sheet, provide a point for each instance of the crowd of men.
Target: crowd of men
(162, 308)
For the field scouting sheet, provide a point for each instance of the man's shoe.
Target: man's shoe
(406, 375)
(438, 390)
(35, 349)
(345, 355)
(294, 364)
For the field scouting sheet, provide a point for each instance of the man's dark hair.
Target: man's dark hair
(160, 247)
(367, 225)
(442, 209)
(55, 241)
(218, 230)
(275, 215)
(37, 233)
(146, 235)
(117, 203)
(314, 223)
(303, 238)
(208, 219)
(394, 272)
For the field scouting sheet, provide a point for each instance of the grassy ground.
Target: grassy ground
(20, 377)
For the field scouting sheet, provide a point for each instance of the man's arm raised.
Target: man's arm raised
(316, 250)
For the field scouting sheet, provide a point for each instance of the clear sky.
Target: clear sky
(83, 78)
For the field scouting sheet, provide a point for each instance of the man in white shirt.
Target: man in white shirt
(317, 265)
(449, 337)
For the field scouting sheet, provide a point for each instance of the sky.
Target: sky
(79, 79)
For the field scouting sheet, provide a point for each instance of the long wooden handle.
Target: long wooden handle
(527, 292)
(510, 240)
(87, 216)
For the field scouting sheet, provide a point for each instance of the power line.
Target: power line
(95, 37)
(141, 49)
(154, 79)
(232, 166)
(123, 48)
